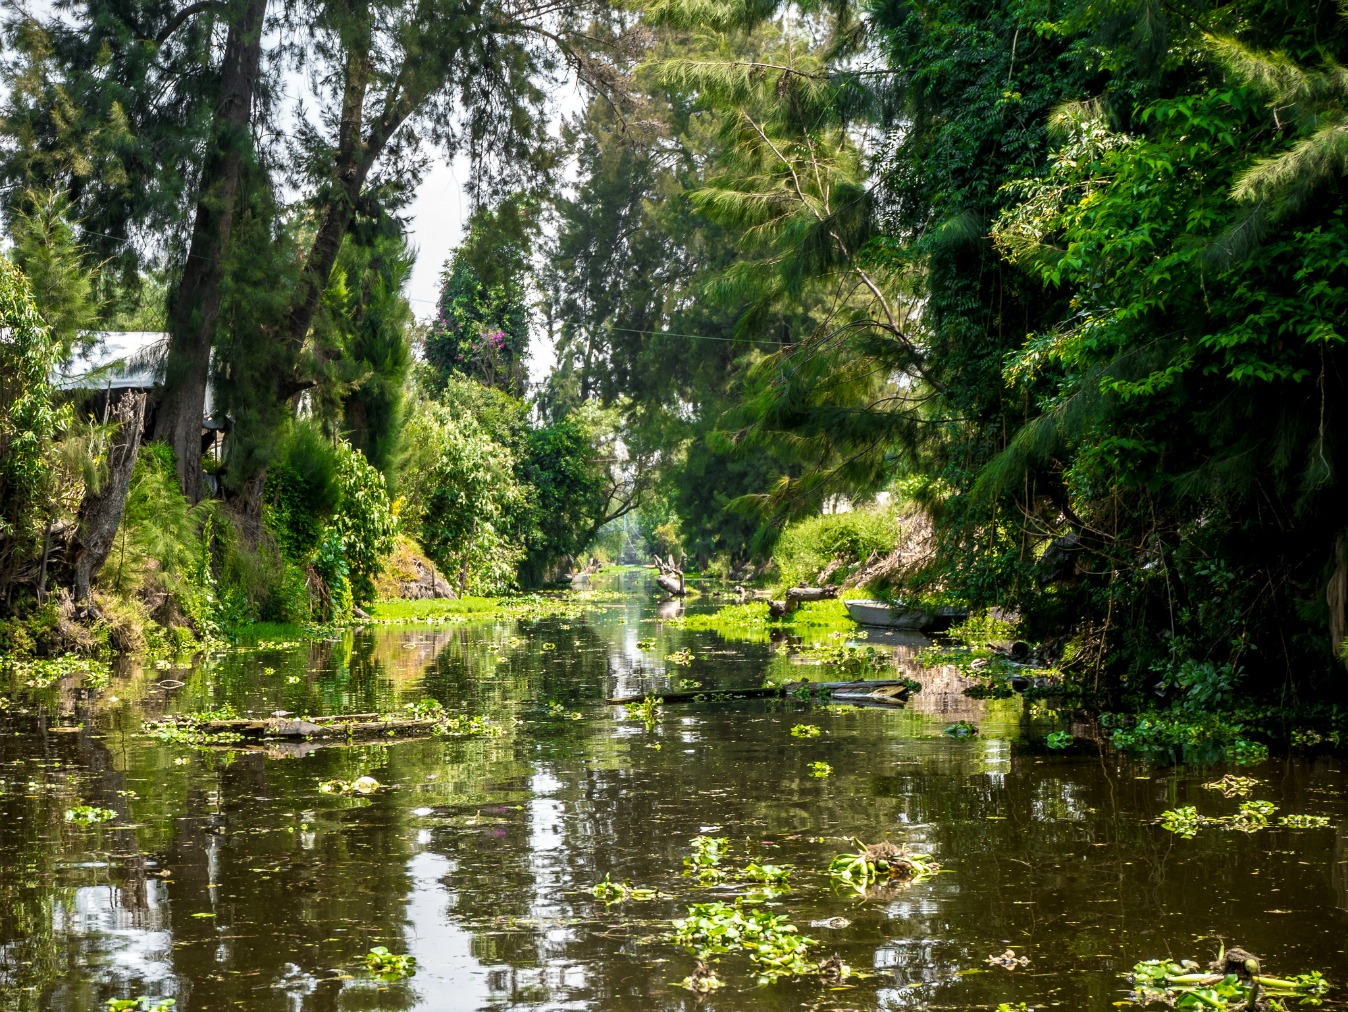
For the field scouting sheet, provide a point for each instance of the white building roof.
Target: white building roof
(122, 360)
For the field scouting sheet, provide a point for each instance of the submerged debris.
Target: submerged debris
(1009, 960)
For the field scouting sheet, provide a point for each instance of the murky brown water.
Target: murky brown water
(229, 881)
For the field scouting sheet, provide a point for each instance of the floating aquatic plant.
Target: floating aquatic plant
(88, 815)
(1304, 821)
(1232, 786)
(962, 729)
(1059, 740)
(556, 709)
(1233, 981)
(647, 711)
(187, 729)
(467, 726)
(876, 863)
(820, 769)
(771, 941)
(361, 785)
(619, 892)
(1185, 822)
(1251, 817)
(771, 873)
(141, 1004)
(806, 731)
(682, 657)
(705, 860)
(389, 965)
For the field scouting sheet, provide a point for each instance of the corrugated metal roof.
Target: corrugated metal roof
(123, 360)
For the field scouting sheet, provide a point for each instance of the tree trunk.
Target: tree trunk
(195, 305)
(101, 513)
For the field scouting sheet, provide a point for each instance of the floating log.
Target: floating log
(347, 725)
(876, 690)
(796, 595)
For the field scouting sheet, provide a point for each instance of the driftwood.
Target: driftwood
(875, 690)
(670, 579)
(794, 597)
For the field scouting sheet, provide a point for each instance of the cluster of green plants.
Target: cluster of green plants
(556, 709)
(620, 892)
(1250, 817)
(851, 661)
(805, 731)
(820, 769)
(186, 729)
(682, 658)
(141, 1004)
(772, 942)
(38, 673)
(704, 863)
(1186, 985)
(467, 725)
(961, 729)
(362, 785)
(389, 965)
(878, 864)
(647, 711)
(88, 815)
(1167, 733)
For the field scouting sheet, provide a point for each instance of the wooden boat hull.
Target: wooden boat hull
(884, 615)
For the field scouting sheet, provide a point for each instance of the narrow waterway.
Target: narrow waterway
(228, 880)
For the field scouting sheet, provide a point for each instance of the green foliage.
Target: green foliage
(877, 864)
(389, 965)
(704, 863)
(482, 327)
(162, 546)
(141, 1004)
(1059, 740)
(469, 497)
(29, 421)
(1184, 985)
(363, 520)
(302, 489)
(805, 731)
(772, 942)
(55, 263)
(820, 769)
(88, 815)
(808, 546)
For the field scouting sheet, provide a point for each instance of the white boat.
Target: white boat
(892, 615)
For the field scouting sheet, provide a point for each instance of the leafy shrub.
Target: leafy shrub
(161, 545)
(807, 547)
(364, 521)
(302, 489)
(28, 421)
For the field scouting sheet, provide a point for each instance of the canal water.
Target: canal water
(228, 880)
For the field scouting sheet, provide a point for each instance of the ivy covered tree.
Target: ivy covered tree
(481, 328)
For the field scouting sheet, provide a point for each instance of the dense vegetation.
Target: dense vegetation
(1052, 293)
